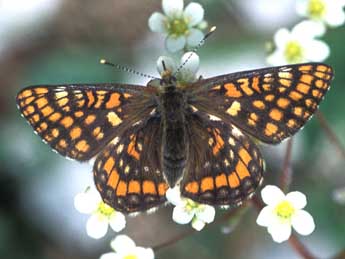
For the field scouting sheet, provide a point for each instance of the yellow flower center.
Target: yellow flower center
(104, 209)
(316, 8)
(293, 52)
(130, 257)
(178, 27)
(284, 210)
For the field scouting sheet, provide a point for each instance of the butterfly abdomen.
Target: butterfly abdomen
(174, 145)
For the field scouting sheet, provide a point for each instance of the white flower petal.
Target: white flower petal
(266, 216)
(190, 67)
(308, 29)
(194, 37)
(96, 227)
(110, 256)
(168, 62)
(143, 253)
(172, 8)
(303, 222)
(198, 224)
(317, 51)
(281, 37)
(298, 199)
(173, 195)
(272, 195)
(335, 17)
(122, 244)
(157, 22)
(181, 215)
(117, 221)
(194, 13)
(276, 58)
(280, 232)
(174, 44)
(207, 214)
(87, 202)
(302, 7)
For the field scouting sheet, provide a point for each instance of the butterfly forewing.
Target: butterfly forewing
(270, 104)
(79, 120)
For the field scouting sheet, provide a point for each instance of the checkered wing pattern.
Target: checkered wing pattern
(79, 120)
(224, 167)
(128, 172)
(270, 104)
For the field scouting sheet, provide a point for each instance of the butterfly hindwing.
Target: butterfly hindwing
(79, 120)
(128, 172)
(224, 167)
(270, 104)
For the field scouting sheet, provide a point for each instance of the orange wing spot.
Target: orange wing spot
(90, 119)
(285, 82)
(108, 166)
(303, 88)
(162, 188)
(316, 93)
(234, 108)
(63, 143)
(47, 111)
(81, 103)
(287, 75)
(269, 97)
(233, 180)
(100, 99)
(134, 187)
(55, 116)
(283, 102)
(295, 96)
(75, 133)
(90, 97)
(305, 78)
(149, 187)
(305, 68)
(41, 102)
(268, 79)
(55, 132)
(319, 83)
(113, 119)
(245, 156)
(29, 100)
(232, 91)
(255, 84)
(79, 114)
(35, 118)
(82, 146)
(253, 118)
(291, 123)
(207, 183)
(298, 111)
(43, 126)
(310, 102)
(221, 180)
(276, 114)
(219, 142)
(29, 110)
(192, 187)
(282, 89)
(96, 131)
(113, 179)
(114, 101)
(62, 102)
(131, 148)
(217, 87)
(121, 189)
(270, 129)
(126, 95)
(321, 75)
(67, 121)
(259, 104)
(266, 87)
(25, 93)
(41, 90)
(245, 86)
(242, 170)
(321, 68)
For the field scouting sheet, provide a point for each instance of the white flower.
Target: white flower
(187, 210)
(182, 27)
(299, 45)
(125, 248)
(282, 212)
(102, 215)
(330, 12)
(187, 73)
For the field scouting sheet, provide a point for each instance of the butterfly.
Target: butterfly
(198, 135)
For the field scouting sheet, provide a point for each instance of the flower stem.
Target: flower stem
(330, 133)
(286, 176)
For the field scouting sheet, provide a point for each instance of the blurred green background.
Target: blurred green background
(61, 41)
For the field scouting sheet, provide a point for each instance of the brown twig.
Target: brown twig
(295, 243)
(286, 175)
(330, 134)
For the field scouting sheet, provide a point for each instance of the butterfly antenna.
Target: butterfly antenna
(210, 32)
(125, 69)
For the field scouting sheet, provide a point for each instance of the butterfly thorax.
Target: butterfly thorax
(172, 104)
